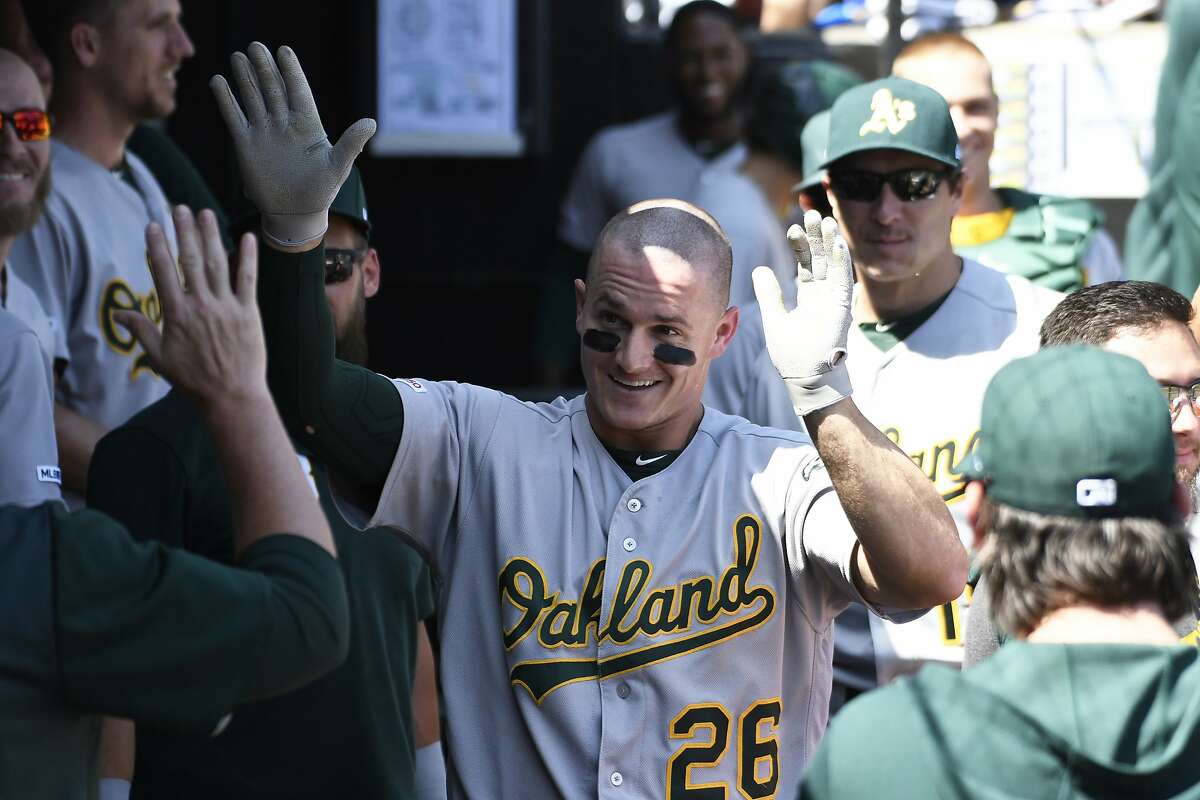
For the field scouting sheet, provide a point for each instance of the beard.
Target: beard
(352, 337)
(16, 219)
(1187, 477)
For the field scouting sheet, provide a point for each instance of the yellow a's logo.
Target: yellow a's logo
(888, 114)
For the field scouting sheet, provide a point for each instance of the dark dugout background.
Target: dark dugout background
(465, 243)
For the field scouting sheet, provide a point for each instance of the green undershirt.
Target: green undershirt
(886, 334)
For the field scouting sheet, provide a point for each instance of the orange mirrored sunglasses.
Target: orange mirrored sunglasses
(31, 124)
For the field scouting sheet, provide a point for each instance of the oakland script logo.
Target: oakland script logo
(687, 616)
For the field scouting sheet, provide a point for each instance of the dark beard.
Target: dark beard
(352, 339)
(15, 220)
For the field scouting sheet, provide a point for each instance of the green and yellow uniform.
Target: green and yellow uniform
(1056, 242)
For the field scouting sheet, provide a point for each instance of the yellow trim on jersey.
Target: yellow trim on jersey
(976, 229)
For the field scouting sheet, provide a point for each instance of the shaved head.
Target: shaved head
(682, 228)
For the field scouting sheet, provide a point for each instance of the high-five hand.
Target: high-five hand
(289, 169)
(808, 343)
(211, 345)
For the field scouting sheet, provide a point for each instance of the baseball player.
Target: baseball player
(1057, 242)
(1079, 516)
(930, 329)
(159, 476)
(638, 592)
(85, 257)
(1149, 322)
(108, 626)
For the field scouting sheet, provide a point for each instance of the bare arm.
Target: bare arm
(77, 437)
(424, 693)
(909, 554)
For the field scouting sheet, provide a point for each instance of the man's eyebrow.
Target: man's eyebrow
(616, 305)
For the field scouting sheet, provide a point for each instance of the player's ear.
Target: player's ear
(973, 497)
(370, 268)
(85, 43)
(726, 328)
(580, 298)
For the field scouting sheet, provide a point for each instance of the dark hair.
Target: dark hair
(687, 230)
(1095, 314)
(692, 9)
(50, 21)
(1037, 563)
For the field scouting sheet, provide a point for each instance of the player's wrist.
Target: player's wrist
(814, 393)
(295, 232)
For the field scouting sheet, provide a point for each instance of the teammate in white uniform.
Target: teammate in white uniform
(86, 257)
(931, 329)
(29, 472)
(637, 593)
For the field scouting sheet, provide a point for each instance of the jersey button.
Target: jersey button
(623, 690)
(630, 544)
(634, 505)
(616, 779)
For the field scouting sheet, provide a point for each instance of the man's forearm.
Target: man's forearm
(910, 555)
(77, 437)
(351, 417)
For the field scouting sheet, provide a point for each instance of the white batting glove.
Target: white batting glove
(808, 343)
(289, 169)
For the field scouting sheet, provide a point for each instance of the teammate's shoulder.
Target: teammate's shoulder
(1004, 292)
(459, 395)
(626, 133)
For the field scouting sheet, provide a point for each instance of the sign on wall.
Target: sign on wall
(447, 82)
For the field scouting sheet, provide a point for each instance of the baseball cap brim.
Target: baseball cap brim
(920, 151)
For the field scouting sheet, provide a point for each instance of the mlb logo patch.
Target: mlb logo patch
(46, 474)
(416, 386)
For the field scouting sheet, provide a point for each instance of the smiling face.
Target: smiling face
(639, 396)
(1172, 357)
(964, 78)
(891, 239)
(140, 48)
(24, 166)
(708, 67)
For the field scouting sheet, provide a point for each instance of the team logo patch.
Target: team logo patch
(48, 474)
(888, 113)
(416, 386)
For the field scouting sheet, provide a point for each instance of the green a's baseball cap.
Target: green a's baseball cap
(814, 139)
(351, 202)
(892, 114)
(1076, 431)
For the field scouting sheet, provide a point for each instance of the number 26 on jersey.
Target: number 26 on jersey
(754, 743)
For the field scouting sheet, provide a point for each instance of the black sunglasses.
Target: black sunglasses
(907, 184)
(340, 264)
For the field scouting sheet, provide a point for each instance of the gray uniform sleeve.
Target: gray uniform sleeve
(164, 636)
(767, 401)
(586, 208)
(981, 638)
(29, 473)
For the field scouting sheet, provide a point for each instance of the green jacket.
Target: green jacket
(1045, 242)
(1033, 721)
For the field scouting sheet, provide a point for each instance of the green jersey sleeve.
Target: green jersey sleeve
(167, 637)
(350, 417)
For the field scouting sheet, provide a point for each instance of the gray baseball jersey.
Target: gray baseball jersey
(925, 394)
(625, 164)
(757, 237)
(29, 473)
(86, 259)
(614, 638)
(22, 302)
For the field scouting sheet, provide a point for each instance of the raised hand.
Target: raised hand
(211, 345)
(808, 343)
(289, 169)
